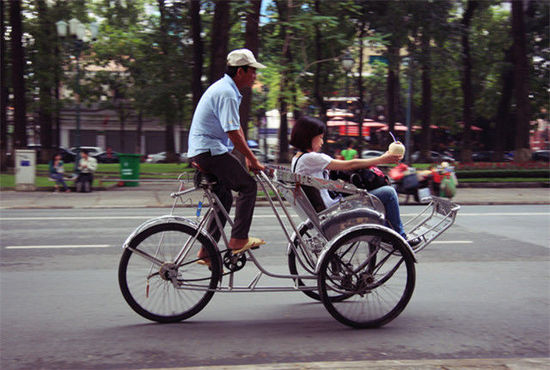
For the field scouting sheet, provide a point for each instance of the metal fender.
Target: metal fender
(294, 235)
(164, 220)
(359, 227)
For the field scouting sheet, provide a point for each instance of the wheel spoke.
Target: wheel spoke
(379, 280)
(158, 289)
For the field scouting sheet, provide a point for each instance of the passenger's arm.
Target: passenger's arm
(355, 164)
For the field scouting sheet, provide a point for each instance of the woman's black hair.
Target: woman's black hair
(303, 132)
(232, 70)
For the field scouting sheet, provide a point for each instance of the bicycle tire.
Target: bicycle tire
(155, 297)
(376, 268)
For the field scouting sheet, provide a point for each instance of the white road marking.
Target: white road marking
(452, 242)
(79, 218)
(192, 216)
(57, 246)
(108, 246)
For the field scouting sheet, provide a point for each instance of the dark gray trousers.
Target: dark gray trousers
(231, 176)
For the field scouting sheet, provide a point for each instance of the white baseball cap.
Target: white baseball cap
(242, 57)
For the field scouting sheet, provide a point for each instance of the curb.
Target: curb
(504, 185)
(438, 364)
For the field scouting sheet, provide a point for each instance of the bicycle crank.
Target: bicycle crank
(234, 262)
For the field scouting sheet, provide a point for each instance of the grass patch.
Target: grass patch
(169, 171)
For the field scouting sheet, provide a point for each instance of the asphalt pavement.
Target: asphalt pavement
(158, 195)
(154, 194)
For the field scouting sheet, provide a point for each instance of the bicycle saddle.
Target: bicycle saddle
(201, 177)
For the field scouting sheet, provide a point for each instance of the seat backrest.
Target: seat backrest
(314, 197)
(300, 202)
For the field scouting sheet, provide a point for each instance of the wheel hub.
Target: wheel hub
(168, 271)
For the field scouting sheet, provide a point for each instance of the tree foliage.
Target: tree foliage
(164, 50)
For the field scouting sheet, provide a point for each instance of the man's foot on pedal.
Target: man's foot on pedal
(246, 244)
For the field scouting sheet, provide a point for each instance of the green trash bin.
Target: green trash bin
(129, 168)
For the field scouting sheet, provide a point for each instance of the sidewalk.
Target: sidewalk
(158, 195)
(470, 364)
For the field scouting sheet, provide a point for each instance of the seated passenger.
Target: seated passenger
(307, 138)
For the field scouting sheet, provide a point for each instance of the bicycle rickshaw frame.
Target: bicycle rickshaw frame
(359, 215)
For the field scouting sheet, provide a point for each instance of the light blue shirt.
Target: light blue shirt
(215, 115)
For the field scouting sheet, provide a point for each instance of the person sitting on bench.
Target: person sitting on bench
(57, 172)
(87, 165)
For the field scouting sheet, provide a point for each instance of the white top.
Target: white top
(91, 165)
(314, 164)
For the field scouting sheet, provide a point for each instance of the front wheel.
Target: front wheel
(375, 269)
(158, 289)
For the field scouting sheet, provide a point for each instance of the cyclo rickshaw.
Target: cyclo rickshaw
(344, 256)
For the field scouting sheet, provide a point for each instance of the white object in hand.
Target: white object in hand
(397, 148)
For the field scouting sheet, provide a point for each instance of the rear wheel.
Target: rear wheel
(375, 269)
(154, 286)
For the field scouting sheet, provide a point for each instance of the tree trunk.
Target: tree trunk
(521, 72)
(168, 121)
(198, 50)
(18, 62)
(169, 134)
(393, 89)
(3, 93)
(284, 7)
(317, 93)
(122, 121)
(466, 154)
(57, 101)
(361, 116)
(252, 42)
(45, 62)
(503, 112)
(220, 39)
(139, 131)
(426, 137)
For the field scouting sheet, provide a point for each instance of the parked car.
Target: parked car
(105, 157)
(92, 150)
(66, 155)
(161, 157)
(541, 155)
(156, 158)
(371, 153)
(435, 157)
